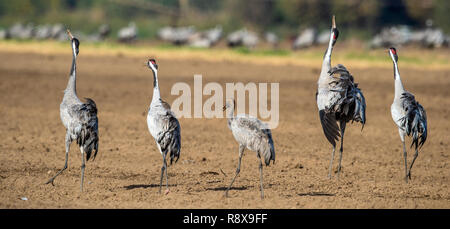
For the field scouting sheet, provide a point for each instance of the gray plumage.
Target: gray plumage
(339, 100)
(252, 134)
(272, 39)
(306, 39)
(128, 34)
(350, 104)
(243, 37)
(163, 126)
(80, 119)
(415, 120)
(85, 127)
(177, 36)
(409, 116)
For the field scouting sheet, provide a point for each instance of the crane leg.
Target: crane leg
(331, 162)
(161, 180)
(83, 166)
(241, 153)
(341, 150)
(261, 177)
(167, 177)
(412, 163)
(68, 142)
(406, 163)
(164, 172)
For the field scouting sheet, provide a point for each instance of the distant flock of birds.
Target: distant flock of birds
(339, 101)
(46, 32)
(430, 37)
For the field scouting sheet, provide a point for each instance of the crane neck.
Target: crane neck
(72, 84)
(399, 89)
(156, 94)
(326, 64)
(230, 114)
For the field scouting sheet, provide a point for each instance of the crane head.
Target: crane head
(333, 22)
(229, 103)
(334, 30)
(75, 42)
(393, 54)
(152, 64)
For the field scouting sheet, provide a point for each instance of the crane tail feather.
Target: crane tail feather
(415, 120)
(87, 137)
(329, 126)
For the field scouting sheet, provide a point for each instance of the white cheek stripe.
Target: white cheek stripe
(392, 55)
(74, 49)
(152, 66)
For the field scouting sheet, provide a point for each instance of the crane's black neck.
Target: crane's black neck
(155, 79)
(396, 71)
(71, 85)
(73, 69)
(230, 113)
(156, 93)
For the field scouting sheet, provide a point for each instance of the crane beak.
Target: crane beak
(333, 22)
(70, 34)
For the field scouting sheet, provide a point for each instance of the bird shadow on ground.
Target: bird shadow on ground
(134, 186)
(225, 188)
(316, 194)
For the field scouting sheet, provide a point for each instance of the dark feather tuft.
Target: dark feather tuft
(88, 137)
(415, 120)
(352, 105)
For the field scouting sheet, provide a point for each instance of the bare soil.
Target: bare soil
(126, 171)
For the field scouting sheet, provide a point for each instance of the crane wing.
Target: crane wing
(329, 126)
(256, 135)
(168, 134)
(84, 126)
(415, 120)
(350, 104)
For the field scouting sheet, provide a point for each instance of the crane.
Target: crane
(79, 119)
(409, 116)
(252, 134)
(339, 100)
(163, 126)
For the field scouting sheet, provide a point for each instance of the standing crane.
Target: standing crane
(80, 119)
(252, 134)
(409, 115)
(163, 126)
(339, 100)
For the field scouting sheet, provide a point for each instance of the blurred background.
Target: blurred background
(226, 41)
(290, 24)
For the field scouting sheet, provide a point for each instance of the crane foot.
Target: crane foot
(50, 181)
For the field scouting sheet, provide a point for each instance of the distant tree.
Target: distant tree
(19, 7)
(256, 12)
(285, 17)
(393, 12)
(70, 4)
(441, 14)
(420, 10)
(207, 5)
(304, 13)
(356, 13)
